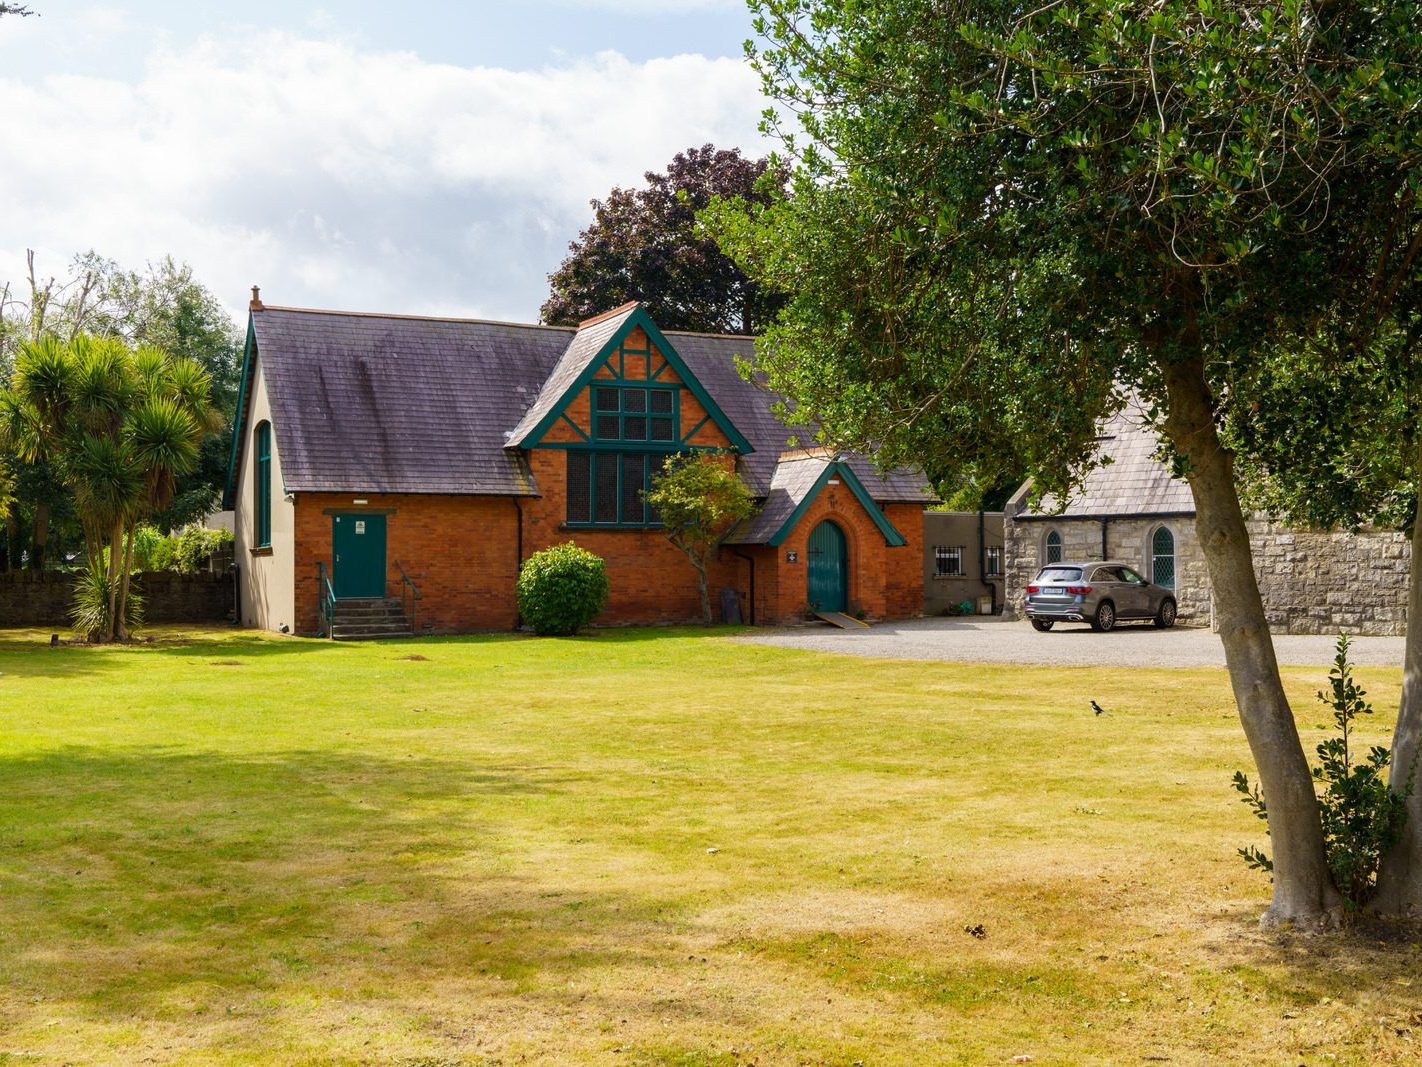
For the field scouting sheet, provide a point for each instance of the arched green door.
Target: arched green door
(829, 568)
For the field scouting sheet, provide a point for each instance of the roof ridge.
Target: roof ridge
(712, 333)
(416, 318)
(605, 315)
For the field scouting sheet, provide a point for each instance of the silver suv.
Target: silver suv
(1102, 593)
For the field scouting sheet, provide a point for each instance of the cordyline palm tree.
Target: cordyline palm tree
(122, 426)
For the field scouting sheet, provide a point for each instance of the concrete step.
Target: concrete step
(370, 633)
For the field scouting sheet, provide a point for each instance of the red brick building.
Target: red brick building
(374, 455)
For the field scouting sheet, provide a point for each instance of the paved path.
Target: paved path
(992, 640)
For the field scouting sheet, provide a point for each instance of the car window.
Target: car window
(1059, 574)
(1128, 575)
(1106, 574)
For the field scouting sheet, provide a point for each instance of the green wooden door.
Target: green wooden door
(829, 568)
(358, 552)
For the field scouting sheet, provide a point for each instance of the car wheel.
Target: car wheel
(1105, 617)
(1165, 617)
(1042, 625)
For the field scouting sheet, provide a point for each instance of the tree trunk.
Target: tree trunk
(121, 619)
(1400, 874)
(12, 541)
(115, 558)
(701, 588)
(41, 537)
(1304, 893)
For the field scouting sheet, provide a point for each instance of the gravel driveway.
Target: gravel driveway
(996, 640)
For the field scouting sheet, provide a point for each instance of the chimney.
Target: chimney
(256, 304)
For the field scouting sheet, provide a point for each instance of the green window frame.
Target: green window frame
(607, 489)
(1053, 550)
(262, 489)
(638, 414)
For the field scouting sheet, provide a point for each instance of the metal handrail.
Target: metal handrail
(410, 589)
(328, 598)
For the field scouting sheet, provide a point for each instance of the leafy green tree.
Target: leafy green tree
(644, 244)
(1005, 217)
(121, 426)
(699, 497)
(162, 306)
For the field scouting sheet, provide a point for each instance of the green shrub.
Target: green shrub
(561, 589)
(90, 608)
(186, 551)
(147, 542)
(1362, 817)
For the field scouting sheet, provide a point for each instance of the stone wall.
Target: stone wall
(1127, 540)
(1312, 582)
(1319, 582)
(28, 598)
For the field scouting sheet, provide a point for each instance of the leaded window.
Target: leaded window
(609, 488)
(1162, 557)
(634, 413)
(262, 489)
(1053, 553)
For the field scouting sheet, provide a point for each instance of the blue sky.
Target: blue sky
(416, 157)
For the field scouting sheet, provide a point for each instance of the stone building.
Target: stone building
(1135, 511)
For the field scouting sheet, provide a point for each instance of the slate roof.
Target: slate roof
(584, 347)
(792, 481)
(402, 404)
(1134, 484)
(384, 404)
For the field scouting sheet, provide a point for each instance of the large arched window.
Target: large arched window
(262, 486)
(1052, 547)
(1162, 557)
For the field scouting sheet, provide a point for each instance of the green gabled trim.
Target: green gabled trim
(229, 491)
(576, 428)
(658, 372)
(686, 437)
(638, 317)
(847, 475)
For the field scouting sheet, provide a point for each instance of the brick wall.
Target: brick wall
(884, 582)
(28, 598)
(460, 550)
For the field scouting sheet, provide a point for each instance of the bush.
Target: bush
(561, 589)
(186, 552)
(1362, 817)
(90, 609)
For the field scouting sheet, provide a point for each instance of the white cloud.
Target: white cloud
(345, 178)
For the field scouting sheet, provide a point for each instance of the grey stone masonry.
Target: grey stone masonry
(1127, 540)
(1328, 582)
(1311, 581)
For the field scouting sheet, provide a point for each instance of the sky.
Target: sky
(415, 157)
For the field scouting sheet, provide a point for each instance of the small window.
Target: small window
(1162, 557)
(994, 561)
(948, 561)
(1052, 548)
(262, 488)
(625, 413)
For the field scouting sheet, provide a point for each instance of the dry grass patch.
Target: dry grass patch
(649, 847)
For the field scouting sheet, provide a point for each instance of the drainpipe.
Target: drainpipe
(1104, 524)
(518, 560)
(982, 558)
(751, 561)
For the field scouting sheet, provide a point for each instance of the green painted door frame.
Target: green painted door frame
(828, 568)
(358, 554)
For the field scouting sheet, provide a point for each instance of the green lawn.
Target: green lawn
(645, 847)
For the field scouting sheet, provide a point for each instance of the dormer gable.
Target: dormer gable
(621, 384)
